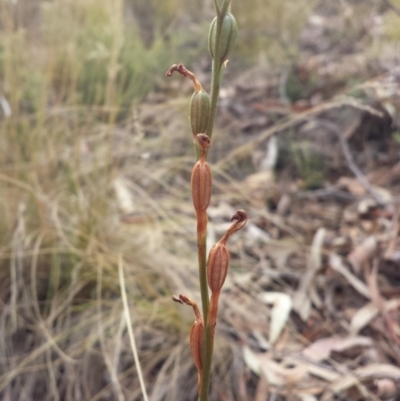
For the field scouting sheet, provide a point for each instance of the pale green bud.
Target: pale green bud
(199, 112)
(227, 39)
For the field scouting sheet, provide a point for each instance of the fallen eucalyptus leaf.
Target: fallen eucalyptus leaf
(282, 305)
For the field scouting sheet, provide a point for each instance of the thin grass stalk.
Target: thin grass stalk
(129, 327)
(100, 329)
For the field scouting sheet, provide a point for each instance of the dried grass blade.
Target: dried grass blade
(129, 327)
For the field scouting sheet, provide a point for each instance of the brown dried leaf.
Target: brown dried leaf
(364, 373)
(262, 392)
(362, 253)
(385, 388)
(315, 369)
(352, 185)
(276, 374)
(251, 360)
(307, 397)
(372, 280)
(336, 263)
(280, 251)
(322, 348)
(368, 312)
(302, 301)
(282, 305)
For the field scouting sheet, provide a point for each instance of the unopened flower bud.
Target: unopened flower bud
(227, 39)
(199, 111)
(201, 177)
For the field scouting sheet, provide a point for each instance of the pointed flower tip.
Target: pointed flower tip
(183, 299)
(171, 70)
(176, 298)
(240, 216)
(240, 219)
(182, 70)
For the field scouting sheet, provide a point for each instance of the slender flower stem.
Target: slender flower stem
(215, 87)
(202, 255)
(201, 183)
(222, 36)
(208, 353)
(216, 65)
(209, 337)
(216, 77)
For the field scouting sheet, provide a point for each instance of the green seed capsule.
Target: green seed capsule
(228, 36)
(199, 112)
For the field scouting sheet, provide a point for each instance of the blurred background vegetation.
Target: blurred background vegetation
(82, 182)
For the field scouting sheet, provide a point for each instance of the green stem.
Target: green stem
(209, 340)
(216, 76)
(216, 6)
(207, 360)
(202, 255)
(215, 87)
(224, 7)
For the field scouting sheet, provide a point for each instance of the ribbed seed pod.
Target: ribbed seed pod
(217, 266)
(218, 258)
(201, 186)
(199, 111)
(201, 181)
(197, 344)
(228, 36)
(196, 335)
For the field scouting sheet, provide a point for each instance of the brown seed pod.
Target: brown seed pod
(197, 344)
(201, 186)
(196, 333)
(201, 181)
(217, 268)
(218, 258)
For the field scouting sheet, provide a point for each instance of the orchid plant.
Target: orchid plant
(214, 269)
